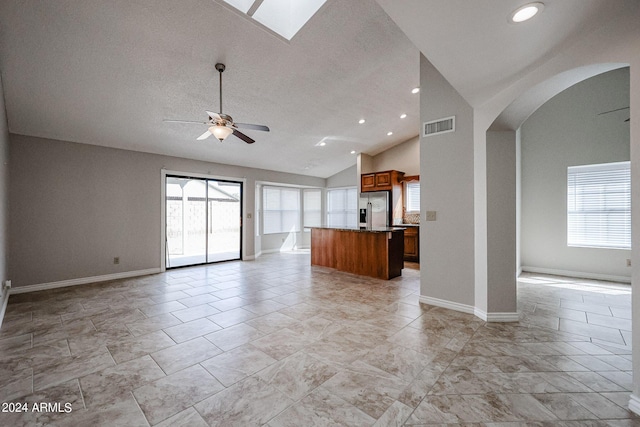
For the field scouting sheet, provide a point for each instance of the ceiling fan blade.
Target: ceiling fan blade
(254, 127)
(613, 111)
(205, 135)
(243, 137)
(185, 121)
(213, 115)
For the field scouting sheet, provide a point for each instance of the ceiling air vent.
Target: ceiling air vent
(439, 126)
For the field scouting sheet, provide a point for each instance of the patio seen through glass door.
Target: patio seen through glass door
(203, 221)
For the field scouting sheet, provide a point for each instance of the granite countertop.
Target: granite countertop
(364, 229)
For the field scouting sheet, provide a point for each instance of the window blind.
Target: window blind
(413, 196)
(312, 202)
(599, 205)
(281, 210)
(342, 207)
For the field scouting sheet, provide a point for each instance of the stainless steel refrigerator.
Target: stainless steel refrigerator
(375, 209)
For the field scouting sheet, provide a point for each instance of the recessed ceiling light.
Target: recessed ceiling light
(403, 115)
(415, 90)
(353, 151)
(526, 12)
(322, 144)
(361, 121)
(389, 133)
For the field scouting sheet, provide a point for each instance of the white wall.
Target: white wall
(4, 190)
(502, 177)
(447, 185)
(567, 131)
(76, 206)
(345, 178)
(404, 157)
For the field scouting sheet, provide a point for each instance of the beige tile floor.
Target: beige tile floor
(277, 342)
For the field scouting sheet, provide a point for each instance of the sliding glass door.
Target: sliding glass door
(203, 221)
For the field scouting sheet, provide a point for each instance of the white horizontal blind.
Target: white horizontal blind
(342, 207)
(413, 196)
(312, 201)
(599, 205)
(281, 209)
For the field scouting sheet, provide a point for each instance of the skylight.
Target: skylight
(284, 17)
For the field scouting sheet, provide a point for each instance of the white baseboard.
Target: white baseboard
(3, 308)
(634, 404)
(447, 304)
(497, 317)
(84, 280)
(270, 251)
(250, 257)
(578, 274)
(469, 309)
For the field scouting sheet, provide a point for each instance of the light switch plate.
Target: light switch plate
(431, 215)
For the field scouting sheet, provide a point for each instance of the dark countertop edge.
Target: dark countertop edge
(362, 230)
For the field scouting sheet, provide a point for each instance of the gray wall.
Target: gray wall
(75, 206)
(4, 188)
(403, 157)
(567, 131)
(502, 184)
(345, 178)
(446, 178)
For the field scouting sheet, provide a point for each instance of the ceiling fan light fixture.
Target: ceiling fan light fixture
(526, 12)
(220, 132)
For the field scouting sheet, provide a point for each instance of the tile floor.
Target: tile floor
(277, 342)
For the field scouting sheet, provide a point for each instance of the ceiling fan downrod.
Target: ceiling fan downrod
(220, 67)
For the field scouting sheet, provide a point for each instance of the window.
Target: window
(342, 207)
(412, 198)
(281, 210)
(599, 205)
(312, 202)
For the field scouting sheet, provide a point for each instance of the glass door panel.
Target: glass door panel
(203, 221)
(224, 202)
(186, 238)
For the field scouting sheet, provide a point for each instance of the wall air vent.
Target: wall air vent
(436, 127)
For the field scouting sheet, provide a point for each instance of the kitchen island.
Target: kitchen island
(376, 252)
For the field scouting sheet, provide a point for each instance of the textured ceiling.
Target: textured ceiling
(108, 72)
(473, 44)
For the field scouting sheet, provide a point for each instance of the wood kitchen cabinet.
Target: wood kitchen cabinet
(412, 244)
(386, 181)
(380, 181)
(375, 253)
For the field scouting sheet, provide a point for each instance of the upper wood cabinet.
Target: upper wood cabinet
(378, 181)
(386, 181)
(368, 182)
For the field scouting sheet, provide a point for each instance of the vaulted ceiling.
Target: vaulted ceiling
(108, 72)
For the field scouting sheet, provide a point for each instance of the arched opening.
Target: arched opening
(540, 116)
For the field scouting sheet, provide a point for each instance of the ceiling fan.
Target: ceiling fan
(617, 109)
(222, 125)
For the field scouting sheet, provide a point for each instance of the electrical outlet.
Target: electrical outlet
(431, 215)
(628, 262)
(116, 260)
